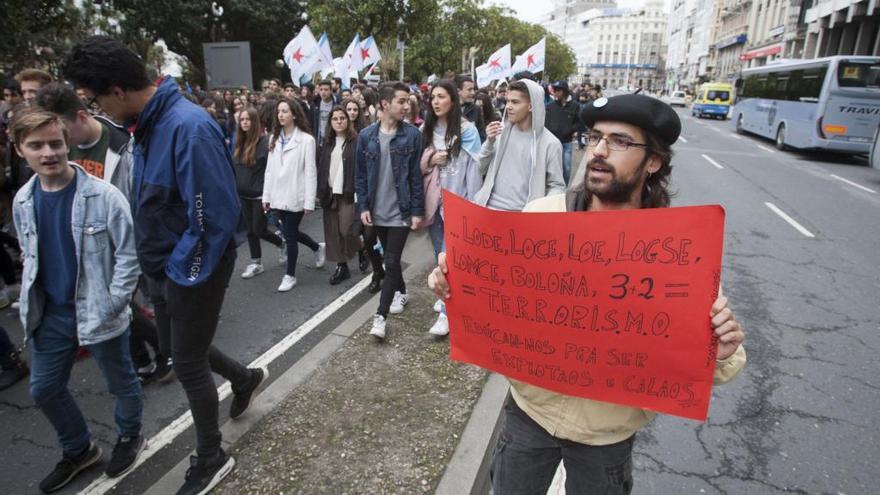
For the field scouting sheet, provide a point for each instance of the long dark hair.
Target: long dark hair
(299, 118)
(453, 119)
(489, 114)
(361, 121)
(246, 142)
(330, 134)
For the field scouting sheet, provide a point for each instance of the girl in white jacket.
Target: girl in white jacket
(291, 181)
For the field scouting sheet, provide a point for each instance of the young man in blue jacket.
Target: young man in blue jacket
(80, 270)
(388, 182)
(187, 222)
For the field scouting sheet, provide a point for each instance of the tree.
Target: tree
(184, 26)
(37, 33)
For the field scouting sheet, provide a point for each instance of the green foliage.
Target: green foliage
(184, 26)
(36, 33)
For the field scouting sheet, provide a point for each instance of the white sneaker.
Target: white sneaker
(438, 305)
(440, 327)
(282, 256)
(378, 329)
(252, 270)
(321, 255)
(287, 283)
(398, 303)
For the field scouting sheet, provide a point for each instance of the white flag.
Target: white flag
(499, 63)
(483, 76)
(370, 52)
(532, 59)
(301, 53)
(353, 59)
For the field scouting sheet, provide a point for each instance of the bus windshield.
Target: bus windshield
(858, 75)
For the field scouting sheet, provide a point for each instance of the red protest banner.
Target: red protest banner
(611, 306)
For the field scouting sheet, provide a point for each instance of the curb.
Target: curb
(275, 393)
(468, 469)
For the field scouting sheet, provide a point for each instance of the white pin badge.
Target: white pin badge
(601, 102)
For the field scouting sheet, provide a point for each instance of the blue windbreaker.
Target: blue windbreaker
(186, 210)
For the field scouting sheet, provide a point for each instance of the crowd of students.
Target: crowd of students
(189, 175)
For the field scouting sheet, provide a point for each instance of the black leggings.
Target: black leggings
(290, 221)
(186, 318)
(255, 218)
(393, 241)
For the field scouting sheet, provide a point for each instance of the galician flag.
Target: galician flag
(325, 57)
(499, 63)
(483, 77)
(353, 58)
(370, 52)
(532, 59)
(301, 53)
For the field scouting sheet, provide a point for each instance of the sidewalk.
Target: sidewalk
(374, 417)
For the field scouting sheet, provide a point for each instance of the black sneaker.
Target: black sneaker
(242, 400)
(11, 376)
(376, 282)
(164, 369)
(363, 261)
(205, 473)
(125, 452)
(69, 467)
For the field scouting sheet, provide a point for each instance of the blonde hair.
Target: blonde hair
(29, 120)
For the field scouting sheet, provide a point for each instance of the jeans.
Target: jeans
(53, 351)
(256, 221)
(186, 318)
(435, 230)
(290, 221)
(526, 457)
(566, 161)
(393, 240)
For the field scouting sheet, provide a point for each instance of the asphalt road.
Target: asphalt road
(796, 421)
(255, 317)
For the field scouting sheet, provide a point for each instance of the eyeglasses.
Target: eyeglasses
(93, 102)
(614, 141)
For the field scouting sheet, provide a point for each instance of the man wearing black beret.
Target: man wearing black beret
(627, 167)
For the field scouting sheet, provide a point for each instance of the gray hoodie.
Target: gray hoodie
(546, 157)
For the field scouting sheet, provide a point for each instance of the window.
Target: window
(858, 75)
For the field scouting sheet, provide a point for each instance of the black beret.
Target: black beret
(645, 112)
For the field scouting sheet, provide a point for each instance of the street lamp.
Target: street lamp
(401, 45)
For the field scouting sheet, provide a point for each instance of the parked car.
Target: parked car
(678, 98)
(874, 158)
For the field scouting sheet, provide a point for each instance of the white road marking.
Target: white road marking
(682, 139)
(768, 150)
(715, 129)
(800, 228)
(713, 162)
(734, 136)
(104, 484)
(863, 188)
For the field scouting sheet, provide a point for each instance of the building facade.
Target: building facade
(841, 28)
(623, 48)
(690, 35)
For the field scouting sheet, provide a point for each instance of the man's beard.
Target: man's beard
(616, 191)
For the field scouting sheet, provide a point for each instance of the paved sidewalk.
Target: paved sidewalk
(376, 417)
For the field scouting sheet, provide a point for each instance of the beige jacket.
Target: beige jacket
(587, 421)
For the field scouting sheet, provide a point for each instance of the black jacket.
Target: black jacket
(314, 113)
(249, 180)
(562, 120)
(324, 193)
(473, 113)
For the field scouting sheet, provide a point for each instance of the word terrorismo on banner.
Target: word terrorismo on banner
(610, 306)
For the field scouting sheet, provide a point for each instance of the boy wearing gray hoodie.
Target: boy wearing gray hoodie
(521, 160)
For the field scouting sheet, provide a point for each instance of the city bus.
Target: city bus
(828, 103)
(713, 99)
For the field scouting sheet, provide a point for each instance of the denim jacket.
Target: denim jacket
(406, 151)
(107, 266)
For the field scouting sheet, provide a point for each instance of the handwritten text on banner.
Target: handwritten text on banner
(610, 306)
